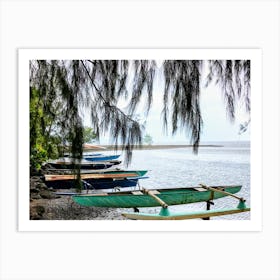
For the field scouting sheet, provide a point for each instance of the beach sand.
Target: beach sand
(46, 205)
(64, 208)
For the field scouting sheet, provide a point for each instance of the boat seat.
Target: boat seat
(154, 192)
(200, 189)
(95, 194)
(137, 193)
(140, 193)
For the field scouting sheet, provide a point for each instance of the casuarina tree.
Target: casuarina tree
(66, 89)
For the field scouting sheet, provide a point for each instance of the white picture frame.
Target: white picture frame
(107, 255)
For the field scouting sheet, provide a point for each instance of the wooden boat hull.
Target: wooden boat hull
(99, 180)
(89, 165)
(94, 183)
(173, 196)
(184, 215)
(101, 158)
(88, 155)
(93, 155)
(97, 175)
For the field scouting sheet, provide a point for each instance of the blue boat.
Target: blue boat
(89, 184)
(84, 165)
(101, 158)
(92, 155)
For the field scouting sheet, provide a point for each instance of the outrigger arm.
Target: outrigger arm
(165, 214)
(241, 204)
(164, 206)
(153, 195)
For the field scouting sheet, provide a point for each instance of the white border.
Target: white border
(254, 224)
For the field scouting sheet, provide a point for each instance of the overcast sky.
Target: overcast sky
(216, 125)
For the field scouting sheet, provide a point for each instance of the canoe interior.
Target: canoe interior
(101, 158)
(89, 165)
(172, 196)
(91, 184)
(66, 171)
(98, 175)
(92, 155)
(88, 155)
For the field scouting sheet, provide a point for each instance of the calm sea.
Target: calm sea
(226, 165)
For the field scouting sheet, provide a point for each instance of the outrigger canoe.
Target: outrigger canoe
(101, 158)
(106, 174)
(84, 165)
(166, 214)
(85, 155)
(83, 171)
(135, 199)
(92, 155)
(95, 184)
(105, 180)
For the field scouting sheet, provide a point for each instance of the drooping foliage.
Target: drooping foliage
(68, 89)
(182, 89)
(233, 77)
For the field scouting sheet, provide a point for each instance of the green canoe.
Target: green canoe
(139, 173)
(174, 196)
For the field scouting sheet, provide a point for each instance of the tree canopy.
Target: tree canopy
(66, 89)
(88, 135)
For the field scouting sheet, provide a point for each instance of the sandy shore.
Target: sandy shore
(64, 208)
(45, 204)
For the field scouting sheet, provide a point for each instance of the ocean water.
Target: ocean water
(180, 167)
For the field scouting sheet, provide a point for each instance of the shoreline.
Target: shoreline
(45, 204)
(159, 147)
(64, 208)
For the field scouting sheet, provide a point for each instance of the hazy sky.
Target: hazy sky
(216, 125)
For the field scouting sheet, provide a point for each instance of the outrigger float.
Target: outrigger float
(164, 198)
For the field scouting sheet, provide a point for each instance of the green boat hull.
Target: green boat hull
(139, 173)
(131, 199)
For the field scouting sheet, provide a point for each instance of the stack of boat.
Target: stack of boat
(98, 171)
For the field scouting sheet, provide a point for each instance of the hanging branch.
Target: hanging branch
(182, 86)
(99, 84)
(234, 78)
(121, 125)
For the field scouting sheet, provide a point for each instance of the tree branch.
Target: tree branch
(106, 102)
